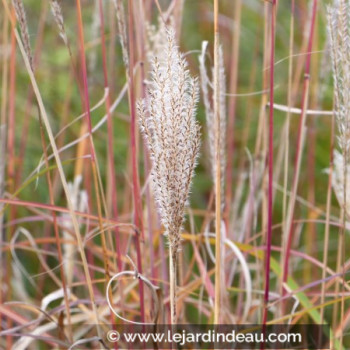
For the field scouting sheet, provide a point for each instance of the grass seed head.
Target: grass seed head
(170, 129)
(23, 26)
(58, 16)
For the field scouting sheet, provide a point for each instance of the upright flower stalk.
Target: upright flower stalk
(172, 134)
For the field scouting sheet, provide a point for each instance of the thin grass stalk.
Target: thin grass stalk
(95, 30)
(299, 147)
(287, 127)
(261, 143)
(11, 112)
(270, 163)
(3, 146)
(3, 143)
(341, 253)
(178, 13)
(148, 201)
(218, 243)
(110, 147)
(59, 166)
(11, 157)
(160, 11)
(310, 231)
(58, 17)
(57, 14)
(95, 169)
(25, 128)
(22, 21)
(65, 113)
(4, 75)
(30, 96)
(168, 124)
(300, 65)
(163, 257)
(127, 191)
(147, 166)
(86, 127)
(135, 177)
(252, 191)
(342, 249)
(24, 31)
(335, 313)
(56, 231)
(97, 181)
(120, 13)
(60, 209)
(110, 129)
(232, 105)
(327, 225)
(112, 48)
(173, 283)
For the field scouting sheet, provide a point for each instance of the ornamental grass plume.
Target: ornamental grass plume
(23, 26)
(172, 134)
(338, 180)
(120, 13)
(58, 17)
(79, 200)
(339, 35)
(157, 37)
(208, 100)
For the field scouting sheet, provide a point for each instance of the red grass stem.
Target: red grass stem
(135, 178)
(270, 165)
(110, 137)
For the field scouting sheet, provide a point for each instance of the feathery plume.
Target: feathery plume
(120, 13)
(79, 202)
(169, 127)
(157, 37)
(339, 33)
(58, 16)
(338, 180)
(339, 30)
(210, 117)
(22, 20)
